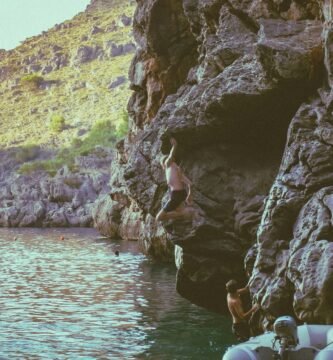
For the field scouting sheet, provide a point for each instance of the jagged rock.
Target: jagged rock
(107, 216)
(99, 5)
(25, 188)
(33, 68)
(5, 193)
(100, 182)
(130, 226)
(56, 218)
(311, 257)
(295, 231)
(125, 20)
(247, 216)
(33, 111)
(56, 48)
(66, 199)
(78, 200)
(8, 216)
(116, 50)
(154, 240)
(47, 84)
(59, 60)
(95, 30)
(287, 51)
(112, 49)
(60, 192)
(46, 69)
(225, 79)
(86, 54)
(4, 72)
(31, 214)
(63, 26)
(87, 190)
(112, 27)
(30, 60)
(288, 10)
(81, 132)
(94, 161)
(117, 82)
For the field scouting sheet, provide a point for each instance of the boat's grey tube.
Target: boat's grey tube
(240, 352)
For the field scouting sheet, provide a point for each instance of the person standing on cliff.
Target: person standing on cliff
(177, 183)
(240, 326)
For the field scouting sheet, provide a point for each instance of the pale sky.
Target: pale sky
(20, 19)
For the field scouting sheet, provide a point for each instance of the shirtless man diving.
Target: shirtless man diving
(240, 326)
(177, 182)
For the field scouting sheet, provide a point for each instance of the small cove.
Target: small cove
(75, 299)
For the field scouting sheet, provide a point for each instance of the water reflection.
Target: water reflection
(74, 299)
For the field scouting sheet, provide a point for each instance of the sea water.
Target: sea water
(64, 294)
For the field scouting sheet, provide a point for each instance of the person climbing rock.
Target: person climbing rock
(240, 326)
(177, 183)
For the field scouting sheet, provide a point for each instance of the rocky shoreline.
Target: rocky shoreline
(245, 87)
(67, 199)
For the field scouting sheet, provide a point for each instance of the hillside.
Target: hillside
(63, 103)
(57, 86)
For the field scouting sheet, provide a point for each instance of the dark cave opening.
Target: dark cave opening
(244, 143)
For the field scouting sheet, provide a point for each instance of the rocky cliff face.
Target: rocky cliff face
(64, 200)
(240, 85)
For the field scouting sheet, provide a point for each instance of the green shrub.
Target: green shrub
(122, 125)
(49, 166)
(76, 142)
(84, 152)
(73, 182)
(27, 152)
(32, 80)
(103, 134)
(57, 123)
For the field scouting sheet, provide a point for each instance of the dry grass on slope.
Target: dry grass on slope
(78, 94)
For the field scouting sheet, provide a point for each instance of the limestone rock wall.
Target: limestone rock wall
(67, 199)
(240, 85)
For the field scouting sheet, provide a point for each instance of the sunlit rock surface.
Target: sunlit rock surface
(245, 88)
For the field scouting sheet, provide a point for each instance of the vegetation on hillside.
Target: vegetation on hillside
(102, 134)
(71, 109)
(32, 81)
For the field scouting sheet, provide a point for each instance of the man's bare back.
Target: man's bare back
(236, 308)
(240, 327)
(174, 177)
(177, 183)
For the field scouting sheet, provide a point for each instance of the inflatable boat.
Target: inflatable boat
(287, 342)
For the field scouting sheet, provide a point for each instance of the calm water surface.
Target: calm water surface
(74, 299)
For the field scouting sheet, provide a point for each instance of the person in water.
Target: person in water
(240, 326)
(177, 183)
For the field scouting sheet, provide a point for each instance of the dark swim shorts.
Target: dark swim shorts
(176, 198)
(241, 331)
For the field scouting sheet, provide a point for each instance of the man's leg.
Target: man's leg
(180, 213)
(241, 331)
(161, 215)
